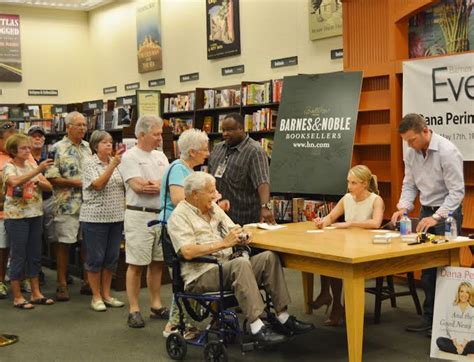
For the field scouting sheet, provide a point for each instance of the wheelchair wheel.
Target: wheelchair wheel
(176, 346)
(215, 352)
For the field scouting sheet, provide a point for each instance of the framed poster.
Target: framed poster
(10, 48)
(325, 18)
(148, 102)
(223, 28)
(445, 28)
(149, 50)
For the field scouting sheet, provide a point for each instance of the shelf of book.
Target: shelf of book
(220, 109)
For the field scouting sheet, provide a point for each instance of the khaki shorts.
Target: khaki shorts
(142, 243)
(67, 228)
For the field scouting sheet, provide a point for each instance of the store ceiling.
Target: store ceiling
(78, 5)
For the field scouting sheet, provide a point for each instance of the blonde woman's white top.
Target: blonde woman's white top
(358, 211)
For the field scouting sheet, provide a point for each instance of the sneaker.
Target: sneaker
(62, 293)
(25, 286)
(135, 320)
(113, 302)
(3, 290)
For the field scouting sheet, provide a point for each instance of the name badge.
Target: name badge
(220, 170)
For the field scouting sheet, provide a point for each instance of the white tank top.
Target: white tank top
(358, 211)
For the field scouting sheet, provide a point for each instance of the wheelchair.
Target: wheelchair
(223, 328)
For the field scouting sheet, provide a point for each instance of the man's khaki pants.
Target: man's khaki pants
(244, 277)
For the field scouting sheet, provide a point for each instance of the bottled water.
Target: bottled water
(450, 227)
(405, 225)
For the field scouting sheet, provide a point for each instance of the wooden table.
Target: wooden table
(349, 254)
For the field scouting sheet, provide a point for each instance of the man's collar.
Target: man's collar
(68, 140)
(434, 142)
(239, 146)
(197, 211)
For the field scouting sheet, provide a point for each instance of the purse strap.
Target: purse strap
(166, 193)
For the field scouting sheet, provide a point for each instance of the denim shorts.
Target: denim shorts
(102, 242)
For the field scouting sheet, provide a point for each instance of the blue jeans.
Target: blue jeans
(102, 241)
(24, 236)
(428, 276)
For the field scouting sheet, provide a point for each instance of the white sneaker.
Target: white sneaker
(98, 306)
(113, 302)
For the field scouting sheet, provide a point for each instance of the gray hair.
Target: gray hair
(197, 181)
(71, 116)
(191, 140)
(146, 123)
(96, 137)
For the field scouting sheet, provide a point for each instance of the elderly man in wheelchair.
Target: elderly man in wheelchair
(199, 228)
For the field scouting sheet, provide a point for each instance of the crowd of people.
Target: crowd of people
(95, 194)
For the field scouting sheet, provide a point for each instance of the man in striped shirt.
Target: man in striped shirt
(240, 166)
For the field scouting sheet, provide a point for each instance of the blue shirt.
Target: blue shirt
(438, 177)
(176, 177)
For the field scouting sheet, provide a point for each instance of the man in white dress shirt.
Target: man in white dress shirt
(434, 169)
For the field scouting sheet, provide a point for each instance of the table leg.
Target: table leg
(354, 296)
(455, 257)
(308, 279)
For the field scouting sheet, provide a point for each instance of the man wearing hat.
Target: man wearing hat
(37, 136)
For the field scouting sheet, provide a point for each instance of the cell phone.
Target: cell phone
(51, 155)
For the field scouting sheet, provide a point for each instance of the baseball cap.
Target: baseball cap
(34, 129)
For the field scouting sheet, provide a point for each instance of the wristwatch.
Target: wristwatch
(267, 205)
(436, 217)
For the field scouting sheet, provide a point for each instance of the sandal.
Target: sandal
(42, 301)
(24, 305)
(7, 339)
(160, 313)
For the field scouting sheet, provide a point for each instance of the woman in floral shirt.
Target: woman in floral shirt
(23, 210)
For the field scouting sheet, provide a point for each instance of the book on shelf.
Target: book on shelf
(308, 210)
(277, 87)
(282, 209)
(3, 113)
(256, 93)
(16, 114)
(219, 123)
(209, 101)
(267, 145)
(46, 111)
(179, 103)
(179, 125)
(207, 124)
(261, 120)
(34, 111)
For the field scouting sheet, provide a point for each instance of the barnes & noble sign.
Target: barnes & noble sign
(315, 131)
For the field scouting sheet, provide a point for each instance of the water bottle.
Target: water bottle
(405, 225)
(450, 227)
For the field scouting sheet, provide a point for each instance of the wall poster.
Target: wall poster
(441, 89)
(223, 28)
(325, 18)
(148, 102)
(149, 50)
(10, 48)
(314, 134)
(445, 28)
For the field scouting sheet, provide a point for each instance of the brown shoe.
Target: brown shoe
(62, 293)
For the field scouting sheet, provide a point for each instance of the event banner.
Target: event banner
(149, 52)
(442, 90)
(314, 135)
(453, 321)
(223, 28)
(10, 48)
(325, 18)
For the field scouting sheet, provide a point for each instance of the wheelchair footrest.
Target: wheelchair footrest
(249, 346)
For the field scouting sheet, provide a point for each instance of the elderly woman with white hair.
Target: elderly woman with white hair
(194, 147)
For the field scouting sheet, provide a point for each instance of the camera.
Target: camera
(243, 236)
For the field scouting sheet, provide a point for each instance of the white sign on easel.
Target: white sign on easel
(453, 321)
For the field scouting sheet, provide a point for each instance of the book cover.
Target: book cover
(46, 111)
(311, 209)
(225, 98)
(34, 111)
(219, 125)
(15, 114)
(298, 208)
(207, 124)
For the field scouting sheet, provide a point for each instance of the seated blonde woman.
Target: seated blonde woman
(362, 207)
